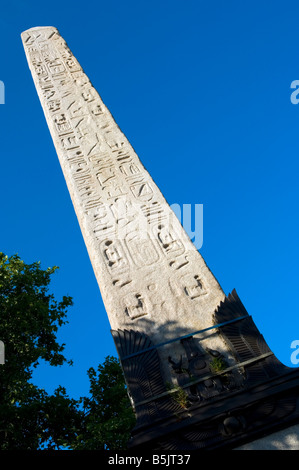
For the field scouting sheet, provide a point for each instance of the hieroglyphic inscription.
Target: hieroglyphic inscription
(124, 218)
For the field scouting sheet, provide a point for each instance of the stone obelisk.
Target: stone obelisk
(150, 274)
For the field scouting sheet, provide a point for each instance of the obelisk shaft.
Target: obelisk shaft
(150, 274)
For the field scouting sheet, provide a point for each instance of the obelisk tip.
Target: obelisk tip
(36, 28)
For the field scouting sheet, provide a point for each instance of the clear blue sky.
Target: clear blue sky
(202, 91)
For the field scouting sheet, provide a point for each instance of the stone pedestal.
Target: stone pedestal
(216, 406)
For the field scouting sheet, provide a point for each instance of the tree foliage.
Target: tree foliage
(30, 418)
(108, 416)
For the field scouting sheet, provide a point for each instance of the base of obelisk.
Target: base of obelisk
(220, 412)
(229, 422)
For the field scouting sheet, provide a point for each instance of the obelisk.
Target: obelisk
(151, 276)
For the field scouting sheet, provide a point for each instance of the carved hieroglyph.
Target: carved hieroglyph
(150, 274)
